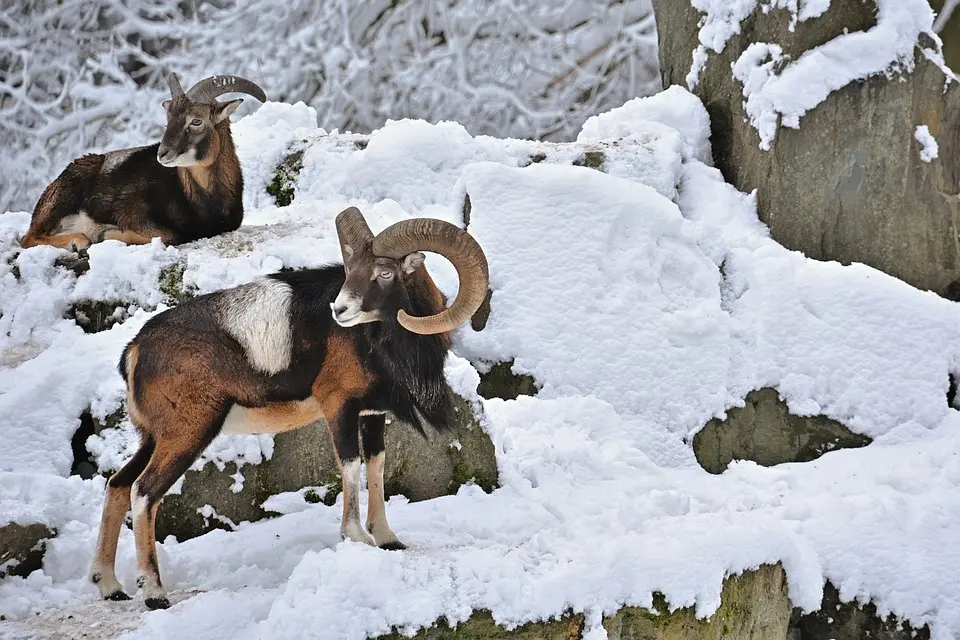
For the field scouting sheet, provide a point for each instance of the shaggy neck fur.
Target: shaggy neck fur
(217, 176)
(418, 360)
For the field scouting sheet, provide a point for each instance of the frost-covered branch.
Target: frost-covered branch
(944, 15)
(87, 75)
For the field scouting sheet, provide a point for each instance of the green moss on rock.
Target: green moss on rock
(464, 472)
(311, 496)
(171, 283)
(754, 606)
(765, 432)
(334, 486)
(282, 185)
(501, 382)
(423, 468)
(481, 626)
(591, 159)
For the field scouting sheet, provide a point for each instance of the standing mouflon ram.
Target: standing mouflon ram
(185, 187)
(347, 344)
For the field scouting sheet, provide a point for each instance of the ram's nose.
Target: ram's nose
(165, 156)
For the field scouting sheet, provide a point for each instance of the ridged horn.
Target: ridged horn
(209, 88)
(454, 244)
(174, 83)
(352, 230)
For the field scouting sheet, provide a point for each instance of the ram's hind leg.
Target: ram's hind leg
(129, 236)
(69, 241)
(172, 457)
(371, 433)
(115, 507)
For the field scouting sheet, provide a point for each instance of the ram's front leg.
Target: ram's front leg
(345, 433)
(371, 432)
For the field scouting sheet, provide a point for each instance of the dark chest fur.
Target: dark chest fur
(408, 369)
(140, 189)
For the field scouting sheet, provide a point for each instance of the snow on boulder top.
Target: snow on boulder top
(778, 91)
(673, 108)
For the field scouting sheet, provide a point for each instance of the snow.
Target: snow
(644, 301)
(672, 111)
(122, 273)
(778, 90)
(928, 144)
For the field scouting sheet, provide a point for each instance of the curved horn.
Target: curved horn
(352, 230)
(209, 88)
(454, 244)
(174, 83)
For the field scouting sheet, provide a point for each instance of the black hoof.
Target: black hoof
(157, 603)
(117, 596)
(393, 546)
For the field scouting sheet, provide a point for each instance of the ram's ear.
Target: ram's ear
(222, 110)
(412, 262)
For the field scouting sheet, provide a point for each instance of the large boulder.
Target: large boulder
(848, 185)
(22, 547)
(416, 467)
(753, 606)
(765, 431)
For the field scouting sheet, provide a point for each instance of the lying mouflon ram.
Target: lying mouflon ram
(185, 187)
(345, 343)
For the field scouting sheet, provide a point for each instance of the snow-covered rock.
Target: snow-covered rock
(644, 300)
(839, 114)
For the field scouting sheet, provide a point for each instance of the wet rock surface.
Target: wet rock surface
(765, 432)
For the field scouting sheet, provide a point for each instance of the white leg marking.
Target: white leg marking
(104, 576)
(238, 421)
(276, 418)
(377, 524)
(257, 315)
(351, 528)
(80, 222)
(147, 580)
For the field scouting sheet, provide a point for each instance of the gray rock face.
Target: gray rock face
(846, 621)
(301, 458)
(848, 185)
(417, 468)
(765, 432)
(753, 606)
(22, 547)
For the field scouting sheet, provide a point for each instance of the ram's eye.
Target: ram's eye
(385, 275)
(196, 122)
